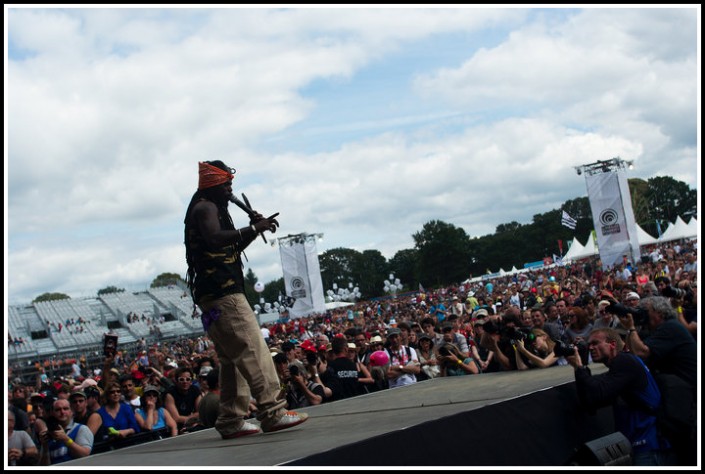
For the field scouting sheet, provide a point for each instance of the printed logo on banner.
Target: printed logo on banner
(608, 219)
(298, 287)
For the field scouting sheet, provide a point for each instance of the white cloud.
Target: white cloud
(109, 111)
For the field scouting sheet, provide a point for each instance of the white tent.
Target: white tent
(678, 230)
(338, 304)
(693, 224)
(576, 248)
(643, 237)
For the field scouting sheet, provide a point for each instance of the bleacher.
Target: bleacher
(90, 318)
(179, 303)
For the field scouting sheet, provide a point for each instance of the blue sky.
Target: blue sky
(359, 123)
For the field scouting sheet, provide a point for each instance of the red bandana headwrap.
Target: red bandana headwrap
(209, 176)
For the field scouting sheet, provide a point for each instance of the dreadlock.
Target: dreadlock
(222, 211)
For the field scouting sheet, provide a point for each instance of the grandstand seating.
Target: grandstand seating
(83, 322)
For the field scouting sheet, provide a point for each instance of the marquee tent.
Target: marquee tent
(576, 248)
(678, 230)
(644, 237)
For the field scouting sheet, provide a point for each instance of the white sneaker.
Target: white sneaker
(246, 429)
(289, 419)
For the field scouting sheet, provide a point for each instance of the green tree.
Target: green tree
(404, 264)
(339, 266)
(250, 293)
(639, 189)
(668, 199)
(443, 253)
(167, 279)
(110, 289)
(50, 297)
(370, 271)
(273, 289)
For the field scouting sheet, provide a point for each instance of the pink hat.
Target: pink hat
(85, 384)
(379, 358)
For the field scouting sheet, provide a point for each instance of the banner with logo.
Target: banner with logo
(302, 277)
(613, 218)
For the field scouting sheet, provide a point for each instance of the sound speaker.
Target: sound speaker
(611, 450)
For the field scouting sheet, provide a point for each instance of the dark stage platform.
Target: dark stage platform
(528, 418)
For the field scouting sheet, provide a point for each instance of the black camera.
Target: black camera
(311, 358)
(639, 315)
(110, 342)
(680, 293)
(517, 334)
(53, 424)
(563, 349)
(294, 370)
(443, 350)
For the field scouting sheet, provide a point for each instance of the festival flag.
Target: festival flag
(568, 221)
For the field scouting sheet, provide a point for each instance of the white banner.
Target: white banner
(613, 218)
(302, 277)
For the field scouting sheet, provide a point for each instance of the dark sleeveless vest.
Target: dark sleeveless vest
(218, 271)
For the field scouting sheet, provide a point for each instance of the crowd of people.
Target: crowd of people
(577, 314)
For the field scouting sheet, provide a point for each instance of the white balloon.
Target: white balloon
(259, 287)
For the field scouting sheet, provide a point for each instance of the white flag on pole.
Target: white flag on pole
(568, 221)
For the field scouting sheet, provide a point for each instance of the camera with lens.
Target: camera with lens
(563, 349)
(639, 315)
(294, 370)
(443, 350)
(519, 334)
(679, 293)
(53, 424)
(311, 358)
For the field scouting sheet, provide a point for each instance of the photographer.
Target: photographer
(629, 387)
(453, 363)
(64, 439)
(669, 348)
(496, 340)
(298, 389)
(540, 352)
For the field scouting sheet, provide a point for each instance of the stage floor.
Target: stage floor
(339, 423)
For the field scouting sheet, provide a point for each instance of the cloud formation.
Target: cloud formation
(359, 123)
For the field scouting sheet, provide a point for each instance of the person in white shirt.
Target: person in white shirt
(403, 361)
(265, 333)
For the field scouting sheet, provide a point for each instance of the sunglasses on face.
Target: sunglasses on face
(184, 379)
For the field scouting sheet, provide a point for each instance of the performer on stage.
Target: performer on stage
(215, 277)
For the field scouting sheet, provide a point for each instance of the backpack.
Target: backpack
(675, 414)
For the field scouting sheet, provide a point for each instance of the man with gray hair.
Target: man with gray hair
(670, 353)
(669, 348)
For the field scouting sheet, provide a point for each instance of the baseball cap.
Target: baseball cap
(79, 393)
(150, 388)
(633, 296)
